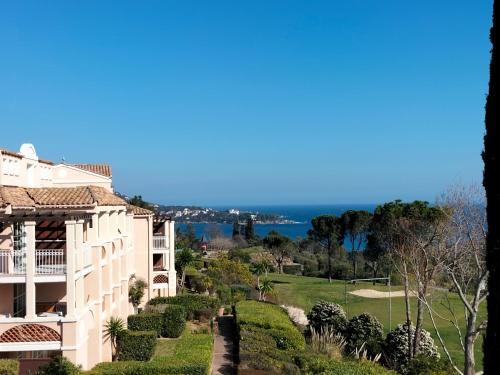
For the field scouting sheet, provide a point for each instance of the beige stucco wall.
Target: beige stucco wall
(6, 297)
(6, 237)
(67, 176)
(143, 262)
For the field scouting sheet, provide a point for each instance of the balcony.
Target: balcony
(160, 243)
(47, 262)
(160, 279)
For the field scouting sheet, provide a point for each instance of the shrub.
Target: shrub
(293, 269)
(59, 366)
(193, 303)
(366, 329)
(191, 354)
(327, 315)
(146, 322)
(243, 289)
(268, 338)
(9, 367)
(174, 321)
(136, 345)
(314, 364)
(423, 365)
(396, 347)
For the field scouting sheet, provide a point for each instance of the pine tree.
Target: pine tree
(249, 233)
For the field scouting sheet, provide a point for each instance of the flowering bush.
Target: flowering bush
(327, 315)
(396, 347)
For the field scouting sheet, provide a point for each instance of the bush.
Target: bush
(174, 321)
(59, 366)
(9, 367)
(268, 338)
(314, 364)
(396, 347)
(136, 345)
(193, 303)
(423, 365)
(327, 315)
(243, 289)
(146, 322)
(366, 329)
(293, 269)
(191, 355)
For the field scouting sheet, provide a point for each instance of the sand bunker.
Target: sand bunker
(371, 293)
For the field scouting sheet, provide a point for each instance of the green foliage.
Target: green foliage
(9, 367)
(59, 366)
(364, 328)
(267, 336)
(194, 304)
(226, 271)
(137, 200)
(146, 322)
(136, 290)
(191, 354)
(239, 255)
(174, 321)
(113, 327)
(396, 347)
(314, 364)
(243, 289)
(327, 315)
(328, 232)
(424, 365)
(136, 345)
(249, 232)
(292, 269)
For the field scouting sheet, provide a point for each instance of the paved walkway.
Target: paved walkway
(222, 363)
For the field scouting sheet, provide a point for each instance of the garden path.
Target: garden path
(223, 358)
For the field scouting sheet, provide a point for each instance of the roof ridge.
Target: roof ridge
(91, 192)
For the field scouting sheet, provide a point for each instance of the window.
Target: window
(19, 300)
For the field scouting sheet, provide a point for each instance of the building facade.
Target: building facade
(68, 249)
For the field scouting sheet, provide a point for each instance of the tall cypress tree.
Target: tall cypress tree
(491, 182)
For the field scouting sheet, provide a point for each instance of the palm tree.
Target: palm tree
(183, 259)
(136, 291)
(206, 282)
(259, 269)
(114, 326)
(491, 157)
(265, 288)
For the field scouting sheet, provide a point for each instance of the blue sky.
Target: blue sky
(257, 102)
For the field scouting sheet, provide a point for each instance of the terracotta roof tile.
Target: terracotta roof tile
(102, 169)
(30, 333)
(83, 196)
(10, 153)
(136, 210)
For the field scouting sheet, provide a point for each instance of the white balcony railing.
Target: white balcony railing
(160, 242)
(12, 262)
(50, 261)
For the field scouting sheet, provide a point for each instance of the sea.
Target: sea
(300, 214)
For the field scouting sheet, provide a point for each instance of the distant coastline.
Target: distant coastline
(299, 217)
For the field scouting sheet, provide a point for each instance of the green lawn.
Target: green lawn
(301, 291)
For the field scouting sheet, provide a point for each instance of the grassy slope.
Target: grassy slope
(304, 291)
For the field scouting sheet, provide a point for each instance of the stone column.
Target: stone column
(29, 228)
(70, 268)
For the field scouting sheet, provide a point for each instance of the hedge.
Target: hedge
(268, 339)
(270, 317)
(59, 366)
(174, 321)
(136, 345)
(197, 306)
(9, 367)
(146, 322)
(192, 355)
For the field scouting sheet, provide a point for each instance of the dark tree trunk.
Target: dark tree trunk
(491, 181)
(329, 266)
